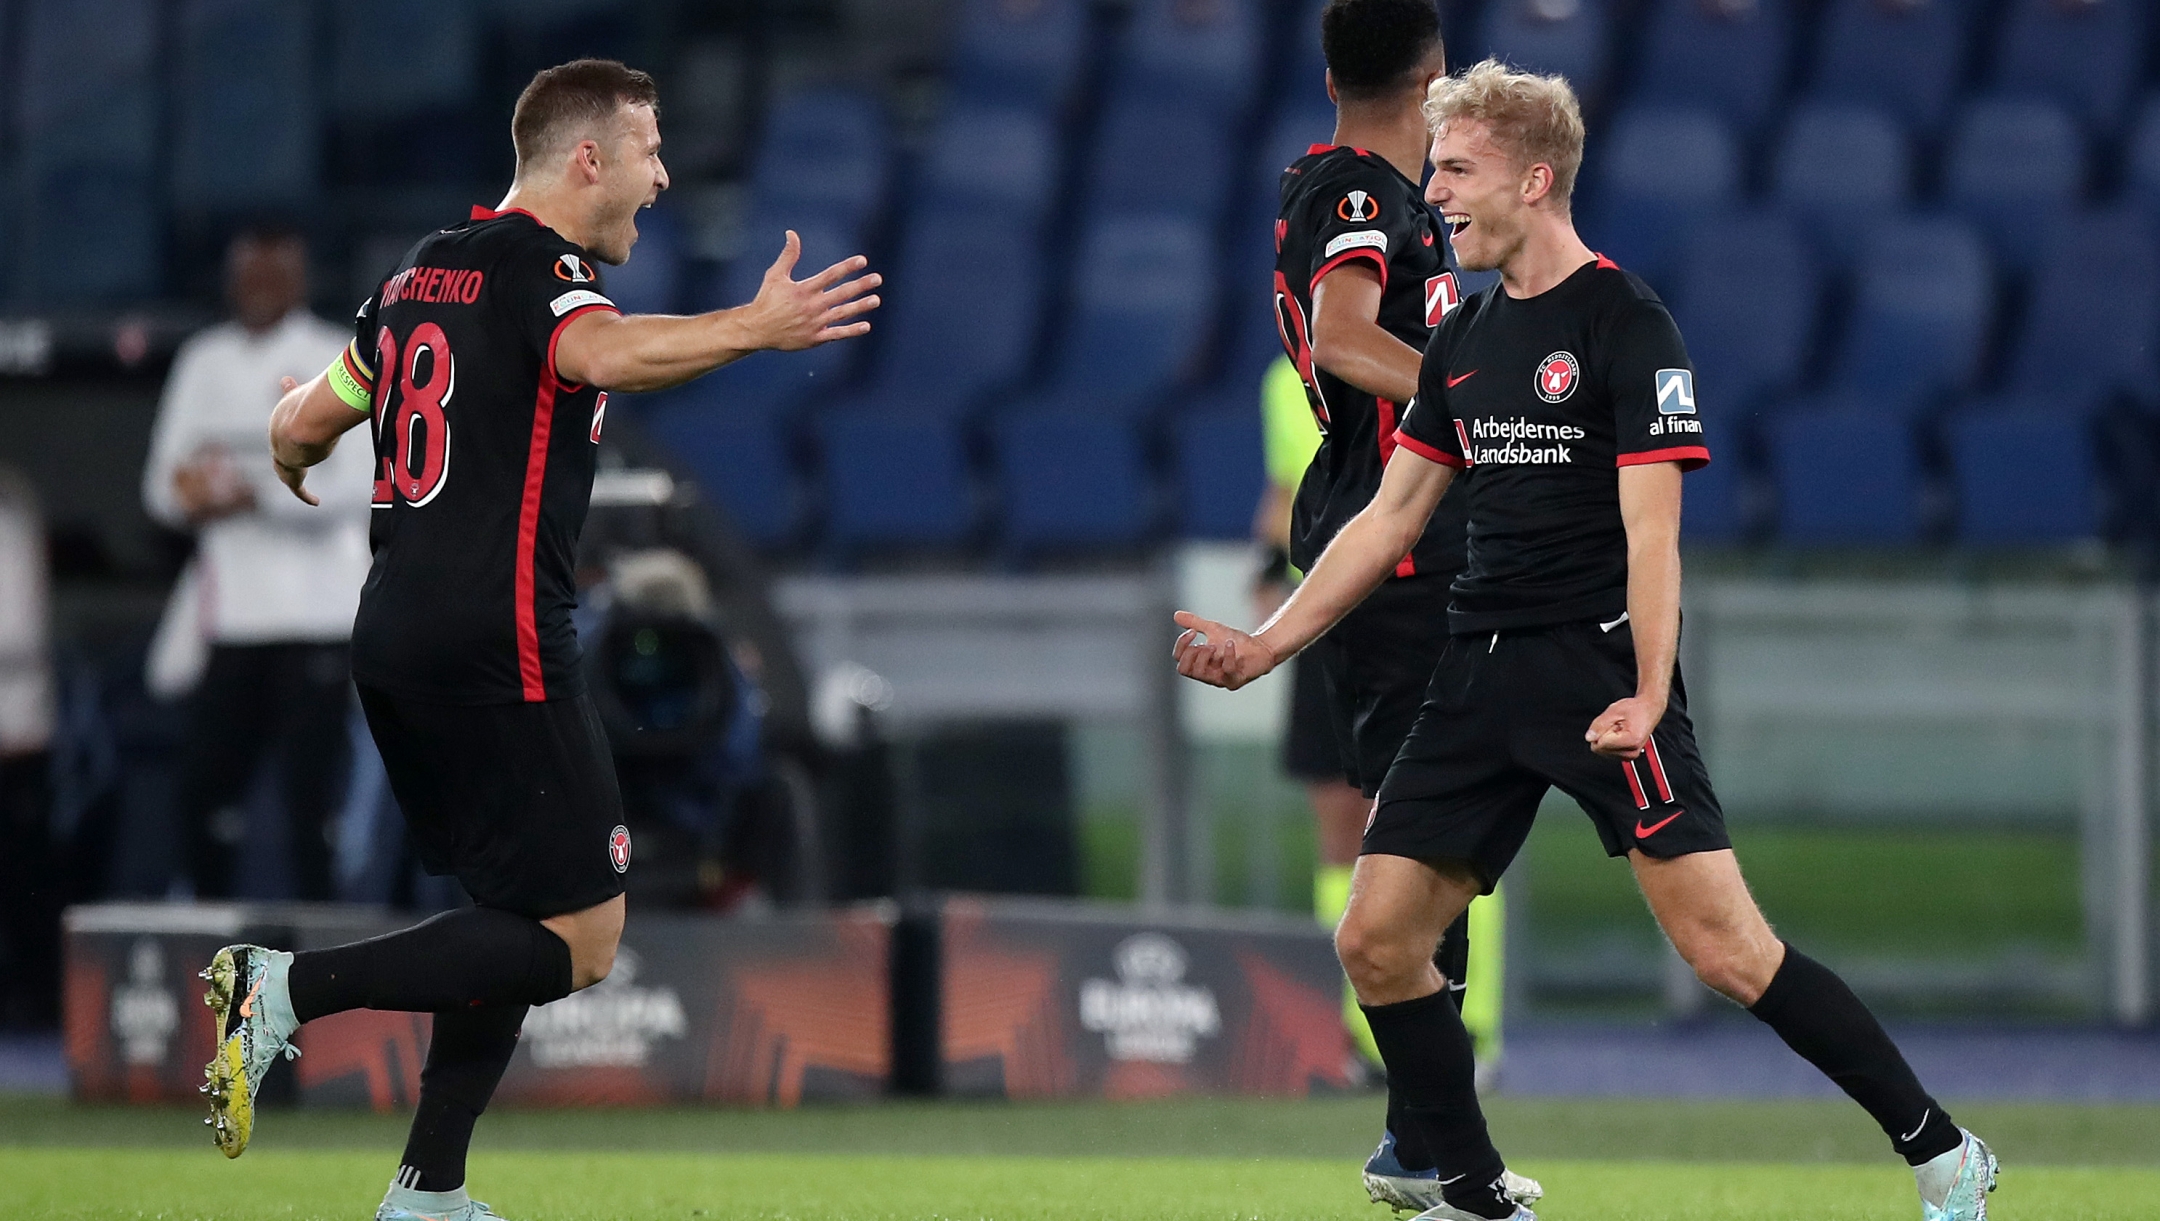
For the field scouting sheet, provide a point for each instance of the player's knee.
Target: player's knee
(1370, 957)
(594, 964)
(1731, 967)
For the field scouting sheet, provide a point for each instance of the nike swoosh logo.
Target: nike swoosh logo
(1457, 1179)
(1606, 627)
(1923, 1123)
(1643, 832)
(247, 1006)
(1427, 237)
(1457, 381)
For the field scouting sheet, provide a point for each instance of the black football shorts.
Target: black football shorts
(517, 801)
(1378, 663)
(1503, 721)
(1310, 752)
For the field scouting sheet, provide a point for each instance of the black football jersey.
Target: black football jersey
(1341, 204)
(484, 465)
(1542, 401)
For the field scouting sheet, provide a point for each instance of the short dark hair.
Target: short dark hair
(1373, 46)
(573, 95)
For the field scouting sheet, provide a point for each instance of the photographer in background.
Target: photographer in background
(262, 620)
(30, 882)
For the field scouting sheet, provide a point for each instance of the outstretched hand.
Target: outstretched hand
(1219, 655)
(1620, 731)
(790, 314)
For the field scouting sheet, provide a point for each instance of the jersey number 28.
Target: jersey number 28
(412, 432)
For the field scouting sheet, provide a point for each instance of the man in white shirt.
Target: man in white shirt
(276, 581)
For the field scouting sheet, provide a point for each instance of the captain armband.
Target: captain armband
(351, 381)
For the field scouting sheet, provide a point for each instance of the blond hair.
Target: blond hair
(1534, 119)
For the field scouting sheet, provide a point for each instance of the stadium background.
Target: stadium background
(1915, 249)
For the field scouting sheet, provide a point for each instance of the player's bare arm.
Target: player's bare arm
(1361, 557)
(1349, 342)
(1650, 509)
(652, 351)
(305, 427)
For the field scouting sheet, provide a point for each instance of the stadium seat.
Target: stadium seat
(89, 125)
(1220, 467)
(731, 432)
(1746, 295)
(1145, 293)
(1156, 154)
(247, 135)
(1905, 57)
(1569, 37)
(825, 149)
(1661, 172)
(1303, 85)
(2026, 141)
(827, 237)
(1727, 57)
(397, 58)
(1072, 478)
(1837, 168)
(1714, 499)
(1027, 52)
(2086, 54)
(2023, 471)
(1845, 472)
(2094, 310)
(902, 480)
(652, 282)
(983, 156)
(1204, 53)
(1921, 309)
(2141, 154)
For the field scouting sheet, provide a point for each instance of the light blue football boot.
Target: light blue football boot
(1955, 1186)
(252, 1034)
(405, 1204)
(1389, 1183)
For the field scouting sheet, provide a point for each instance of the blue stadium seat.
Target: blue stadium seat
(247, 132)
(652, 282)
(2141, 153)
(1660, 173)
(1303, 85)
(1204, 53)
(2084, 55)
(1838, 167)
(2024, 472)
(965, 305)
(1028, 52)
(1220, 468)
(827, 237)
(2026, 141)
(1714, 499)
(1844, 472)
(823, 148)
(728, 434)
(1906, 58)
(983, 156)
(1727, 57)
(1921, 309)
(2094, 310)
(91, 229)
(1569, 37)
(1746, 296)
(398, 58)
(1145, 292)
(1156, 154)
(1072, 478)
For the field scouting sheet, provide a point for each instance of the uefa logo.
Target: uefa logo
(1556, 376)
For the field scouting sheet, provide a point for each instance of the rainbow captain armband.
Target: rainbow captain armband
(351, 380)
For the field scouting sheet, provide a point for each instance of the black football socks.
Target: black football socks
(1432, 1076)
(466, 1057)
(472, 956)
(1452, 960)
(1818, 1016)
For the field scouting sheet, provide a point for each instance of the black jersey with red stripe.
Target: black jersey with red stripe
(484, 465)
(1342, 205)
(1542, 400)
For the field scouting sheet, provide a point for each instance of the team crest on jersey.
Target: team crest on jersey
(572, 268)
(1358, 208)
(618, 848)
(599, 416)
(1556, 376)
(1441, 296)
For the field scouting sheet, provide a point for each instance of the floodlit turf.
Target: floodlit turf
(1209, 1160)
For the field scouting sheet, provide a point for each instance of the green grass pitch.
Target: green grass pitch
(1213, 1160)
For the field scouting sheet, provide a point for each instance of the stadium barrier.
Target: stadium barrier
(962, 995)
